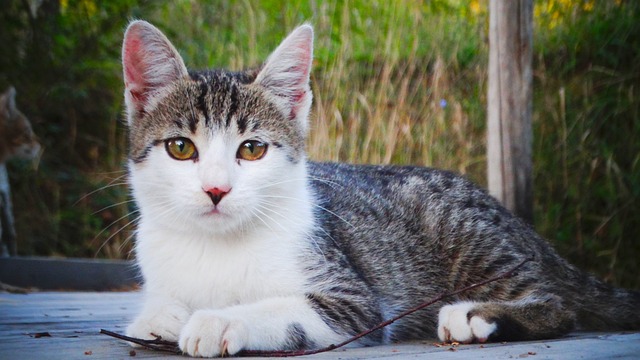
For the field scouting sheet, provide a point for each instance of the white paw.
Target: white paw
(454, 324)
(165, 321)
(210, 333)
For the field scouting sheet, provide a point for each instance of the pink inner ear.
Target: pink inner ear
(134, 67)
(302, 68)
(131, 49)
(296, 101)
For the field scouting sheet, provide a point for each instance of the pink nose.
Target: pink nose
(217, 193)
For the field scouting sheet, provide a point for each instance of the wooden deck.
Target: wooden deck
(66, 325)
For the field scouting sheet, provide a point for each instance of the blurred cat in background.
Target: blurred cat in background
(17, 140)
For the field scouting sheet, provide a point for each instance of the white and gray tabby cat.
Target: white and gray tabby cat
(245, 244)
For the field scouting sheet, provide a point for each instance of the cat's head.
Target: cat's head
(215, 150)
(16, 136)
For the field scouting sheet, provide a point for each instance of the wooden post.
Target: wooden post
(509, 105)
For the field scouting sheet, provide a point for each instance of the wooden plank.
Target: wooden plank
(509, 133)
(73, 321)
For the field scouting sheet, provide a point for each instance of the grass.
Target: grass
(380, 86)
(400, 82)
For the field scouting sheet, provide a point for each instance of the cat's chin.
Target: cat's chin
(216, 224)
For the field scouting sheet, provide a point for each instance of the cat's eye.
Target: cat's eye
(251, 150)
(181, 149)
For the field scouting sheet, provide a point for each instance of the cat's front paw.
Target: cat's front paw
(165, 321)
(211, 333)
(455, 324)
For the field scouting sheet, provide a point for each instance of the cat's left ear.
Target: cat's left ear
(285, 74)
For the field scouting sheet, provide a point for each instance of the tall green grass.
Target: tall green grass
(399, 82)
(587, 134)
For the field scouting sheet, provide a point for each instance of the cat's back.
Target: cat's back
(419, 220)
(437, 198)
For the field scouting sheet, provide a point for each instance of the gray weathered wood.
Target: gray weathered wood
(73, 321)
(509, 136)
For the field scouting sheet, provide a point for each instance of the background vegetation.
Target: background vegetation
(399, 82)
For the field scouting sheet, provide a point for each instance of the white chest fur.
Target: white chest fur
(215, 273)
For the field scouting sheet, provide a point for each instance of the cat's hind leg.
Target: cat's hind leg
(530, 318)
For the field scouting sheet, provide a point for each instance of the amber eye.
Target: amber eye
(251, 150)
(181, 149)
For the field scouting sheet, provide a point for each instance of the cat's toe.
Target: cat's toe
(454, 324)
(139, 330)
(159, 322)
(144, 330)
(481, 329)
(209, 334)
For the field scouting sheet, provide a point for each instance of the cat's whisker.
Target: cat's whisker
(134, 221)
(113, 223)
(162, 204)
(105, 173)
(104, 243)
(113, 205)
(127, 240)
(273, 184)
(269, 217)
(128, 224)
(270, 205)
(312, 204)
(307, 233)
(167, 207)
(253, 212)
(326, 181)
(301, 179)
(109, 185)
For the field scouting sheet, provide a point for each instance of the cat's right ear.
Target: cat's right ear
(150, 63)
(286, 72)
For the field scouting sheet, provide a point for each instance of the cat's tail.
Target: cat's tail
(603, 307)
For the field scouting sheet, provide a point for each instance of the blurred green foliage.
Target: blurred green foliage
(401, 81)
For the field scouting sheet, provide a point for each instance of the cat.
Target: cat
(17, 140)
(243, 243)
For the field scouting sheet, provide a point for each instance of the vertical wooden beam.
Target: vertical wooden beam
(510, 174)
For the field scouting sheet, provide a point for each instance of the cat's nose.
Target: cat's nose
(217, 193)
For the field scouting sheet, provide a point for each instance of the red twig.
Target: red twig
(161, 345)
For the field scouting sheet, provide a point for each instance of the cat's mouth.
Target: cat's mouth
(213, 211)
